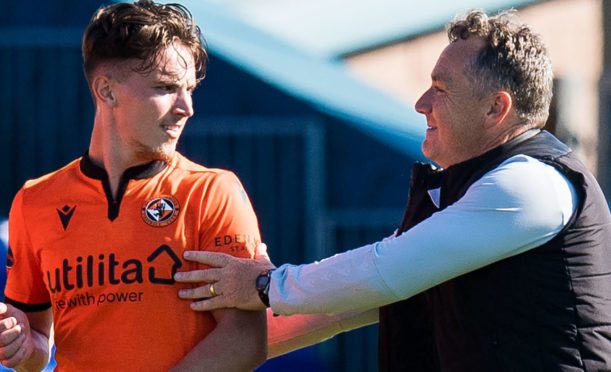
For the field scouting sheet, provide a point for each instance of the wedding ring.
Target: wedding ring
(211, 289)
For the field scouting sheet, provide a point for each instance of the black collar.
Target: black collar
(144, 171)
(138, 172)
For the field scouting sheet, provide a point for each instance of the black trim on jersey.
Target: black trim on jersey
(27, 307)
(91, 170)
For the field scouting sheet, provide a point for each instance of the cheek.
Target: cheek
(442, 105)
(160, 106)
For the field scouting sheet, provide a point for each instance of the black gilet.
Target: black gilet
(548, 309)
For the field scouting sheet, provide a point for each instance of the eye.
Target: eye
(438, 89)
(166, 88)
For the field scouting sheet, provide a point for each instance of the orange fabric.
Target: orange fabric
(109, 283)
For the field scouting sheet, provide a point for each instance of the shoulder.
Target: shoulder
(60, 178)
(523, 172)
(187, 167)
(523, 183)
(40, 192)
(211, 180)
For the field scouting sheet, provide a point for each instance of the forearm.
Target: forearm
(345, 282)
(236, 344)
(286, 334)
(382, 273)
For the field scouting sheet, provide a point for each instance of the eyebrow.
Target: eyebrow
(443, 79)
(169, 78)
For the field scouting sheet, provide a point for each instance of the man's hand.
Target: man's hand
(15, 338)
(232, 278)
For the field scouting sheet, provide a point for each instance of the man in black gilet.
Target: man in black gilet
(503, 259)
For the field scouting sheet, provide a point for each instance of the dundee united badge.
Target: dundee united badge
(161, 211)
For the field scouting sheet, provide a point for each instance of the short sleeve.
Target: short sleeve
(229, 224)
(24, 284)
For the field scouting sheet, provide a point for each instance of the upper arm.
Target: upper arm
(24, 277)
(242, 320)
(229, 224)
(237, 343)
(231, 227)
(520, 205)
(245, 330)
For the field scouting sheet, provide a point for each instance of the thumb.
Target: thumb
(261, 252)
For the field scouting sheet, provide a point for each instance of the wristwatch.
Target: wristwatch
(262, 285)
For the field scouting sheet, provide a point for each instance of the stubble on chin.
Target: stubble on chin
(145, 154)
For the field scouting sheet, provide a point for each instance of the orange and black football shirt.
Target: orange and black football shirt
(106, 267)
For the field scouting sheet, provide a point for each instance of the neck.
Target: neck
(106, 151)
(504, 135)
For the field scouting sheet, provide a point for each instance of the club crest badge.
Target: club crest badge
(161, 211)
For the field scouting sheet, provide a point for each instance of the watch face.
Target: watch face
(261, 281)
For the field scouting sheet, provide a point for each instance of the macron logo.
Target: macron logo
(65, 214)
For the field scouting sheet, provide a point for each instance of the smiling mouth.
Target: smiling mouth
(172, 130)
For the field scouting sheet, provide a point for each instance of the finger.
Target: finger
(195, 293)
(216, 259)
(10, 351)
(18, 351)
(209, 304)
(10, 335)
(197, 276)
(3, 309)
(7, 323)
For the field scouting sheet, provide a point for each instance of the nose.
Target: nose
(184, 103)
(423, 105)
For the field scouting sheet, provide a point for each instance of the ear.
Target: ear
(500, 106)
(103, 91)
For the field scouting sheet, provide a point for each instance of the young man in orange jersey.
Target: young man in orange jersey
(94, 246)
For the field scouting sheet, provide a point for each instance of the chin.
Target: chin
(164, 156)
(427, 150)
(164, 153)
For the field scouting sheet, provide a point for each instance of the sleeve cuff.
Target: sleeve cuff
(27, 307)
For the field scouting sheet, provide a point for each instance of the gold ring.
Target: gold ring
(211, 289)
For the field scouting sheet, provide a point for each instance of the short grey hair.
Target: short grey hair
(514, 59)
